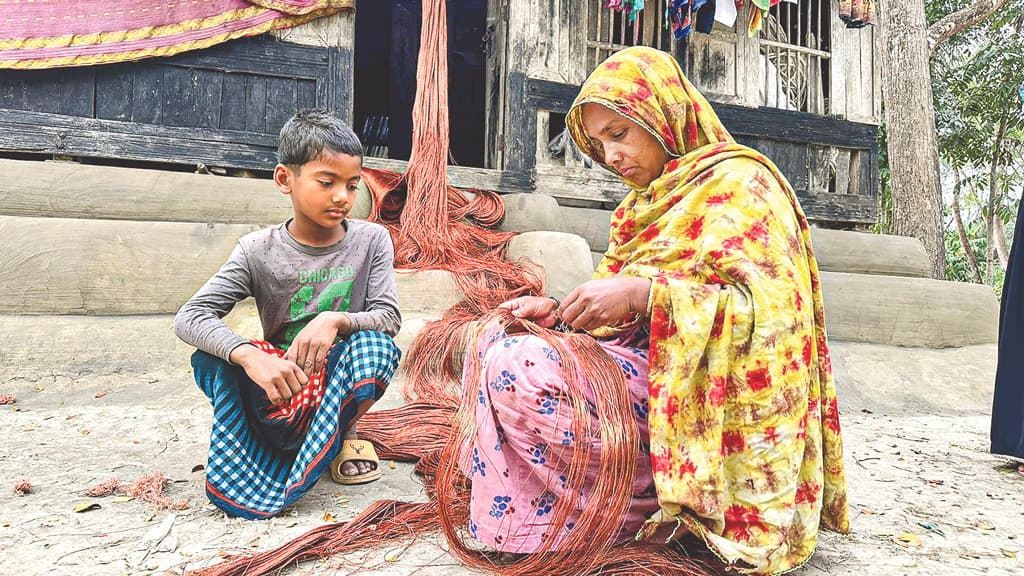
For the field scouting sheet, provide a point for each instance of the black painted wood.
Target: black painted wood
(38, 132)
(520, 126)
(222, 106)
(766, 122)
(783, 136)
(115, 91)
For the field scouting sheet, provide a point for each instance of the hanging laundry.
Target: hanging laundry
(758, 13)
(857, 13)
(683, 14)
(686, 14)
(725, 12)
(631, 8)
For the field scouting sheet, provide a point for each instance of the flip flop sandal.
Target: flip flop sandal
(355, 450)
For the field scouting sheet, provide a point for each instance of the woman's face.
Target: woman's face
(624, 145)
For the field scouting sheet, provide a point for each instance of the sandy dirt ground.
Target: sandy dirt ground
(924, 477)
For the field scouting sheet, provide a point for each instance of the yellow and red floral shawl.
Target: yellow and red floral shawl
(745, 439)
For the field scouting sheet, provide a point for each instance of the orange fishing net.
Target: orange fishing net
(149, 488)
(427, 221)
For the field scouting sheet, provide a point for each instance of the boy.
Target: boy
(325, 290)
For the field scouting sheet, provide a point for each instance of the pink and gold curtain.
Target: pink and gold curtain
(56, 33)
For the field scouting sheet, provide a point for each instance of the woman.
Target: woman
(708, 300)
(1007, 430)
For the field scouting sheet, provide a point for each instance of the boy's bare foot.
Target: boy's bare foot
(356, 467)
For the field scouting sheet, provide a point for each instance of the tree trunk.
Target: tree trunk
(965, 242)
(993, 187)
(910, 125)
(999, 233)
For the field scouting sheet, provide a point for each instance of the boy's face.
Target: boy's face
(323, 190)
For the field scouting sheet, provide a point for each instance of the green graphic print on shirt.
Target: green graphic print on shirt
(329, 288)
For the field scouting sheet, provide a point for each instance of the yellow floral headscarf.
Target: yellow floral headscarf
(745, 438)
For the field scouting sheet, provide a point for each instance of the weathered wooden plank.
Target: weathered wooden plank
(580, 184)
(147, 95)
(760, 122)
(840, 48)
(500, 181)
(256, 56)
(713, 60)
(280, 102)
(791, 159)
(256, 104)
(838, 208)
(78, 92)
(305, 94)
(494, 105)
(821, 169)
(209, 87)
(39, 132)
(114, 92)
(338, 82)
(42, 91)
(179, 97)
(233, 109)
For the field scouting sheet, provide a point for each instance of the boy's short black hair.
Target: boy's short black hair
(305, 137)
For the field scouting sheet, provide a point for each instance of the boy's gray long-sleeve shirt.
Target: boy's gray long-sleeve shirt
(291, 283)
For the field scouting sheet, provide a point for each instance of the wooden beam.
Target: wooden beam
(762, 122)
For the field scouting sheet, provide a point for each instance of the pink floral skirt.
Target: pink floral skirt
(519, 459)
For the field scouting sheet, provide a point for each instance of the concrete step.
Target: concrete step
(103, 267)
(836, 250)
(884, 379)
(902, 311)
(70, 190)
(34, 345)
(75, 266)
(87, 266)
(88, 354)
(885, 312)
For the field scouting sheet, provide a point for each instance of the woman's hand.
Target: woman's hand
(537, 309)
(605, 302)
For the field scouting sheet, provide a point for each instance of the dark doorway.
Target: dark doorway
(387, 46)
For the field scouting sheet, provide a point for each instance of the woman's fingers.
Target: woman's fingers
(572, 308)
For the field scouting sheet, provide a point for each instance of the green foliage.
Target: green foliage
(884, 224)
(980, 127)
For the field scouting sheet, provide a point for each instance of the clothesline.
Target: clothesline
(686, 15)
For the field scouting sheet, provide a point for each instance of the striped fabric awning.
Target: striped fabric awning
(56, 33)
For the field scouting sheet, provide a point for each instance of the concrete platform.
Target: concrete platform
(906, 466)
(903, 311)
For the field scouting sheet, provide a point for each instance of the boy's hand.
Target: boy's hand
(279, 378)
(310, 346)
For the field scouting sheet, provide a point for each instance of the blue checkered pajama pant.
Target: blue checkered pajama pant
(251, 477)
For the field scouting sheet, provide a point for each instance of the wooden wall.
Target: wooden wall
(222, 106)
(540, 50)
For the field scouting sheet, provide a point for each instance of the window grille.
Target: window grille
(795, 56)
(609, 31)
